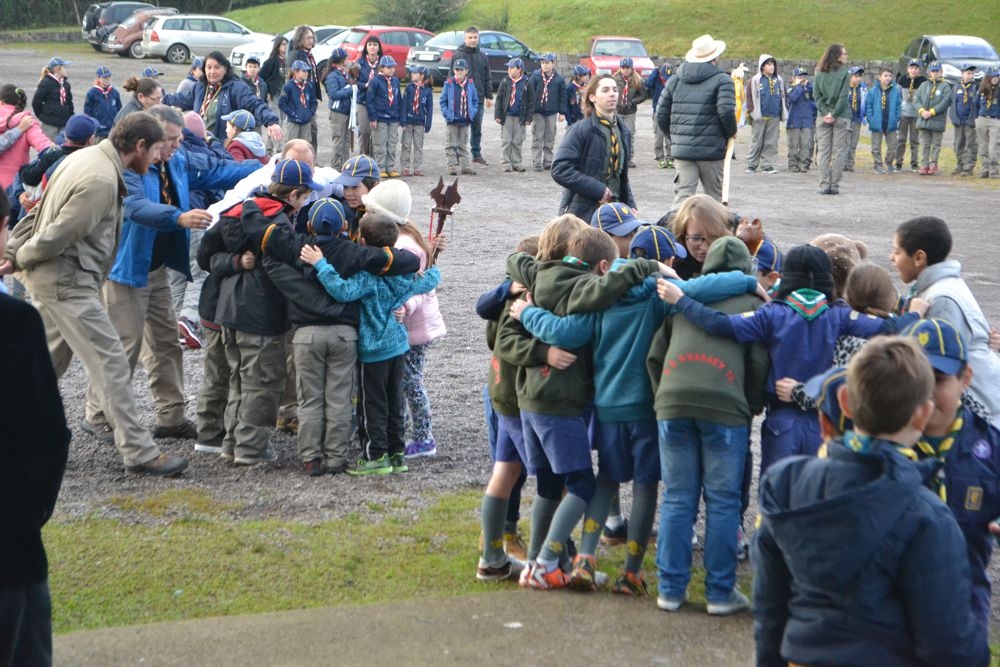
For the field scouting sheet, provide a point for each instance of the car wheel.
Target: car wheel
(135, 51)
(177, 54)
(122, 54)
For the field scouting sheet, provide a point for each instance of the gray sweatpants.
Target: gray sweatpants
(907, 128)
(326, 358)
(214, 392)
(764, 143)
(800, 147)
(966, 147)
(689, 174)
(257, 376)
(543, 139)
(456, 149)
(988, 138)
(385, 138)
(412, 147)
(890, 149)
(511, 141)
(852, 145)
(930, 147)
(341, 139)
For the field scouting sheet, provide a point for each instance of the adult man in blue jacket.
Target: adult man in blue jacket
(137, 292)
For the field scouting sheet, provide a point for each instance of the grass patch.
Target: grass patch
(64, 49)
(173, 502)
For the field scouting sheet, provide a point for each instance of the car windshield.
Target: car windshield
(446, 40)
(336, 37)
(619, 47)
(351, 37)
(971, 49)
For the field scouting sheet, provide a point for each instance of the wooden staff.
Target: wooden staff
(727, 170)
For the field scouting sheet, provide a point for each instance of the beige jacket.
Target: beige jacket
(77, 223)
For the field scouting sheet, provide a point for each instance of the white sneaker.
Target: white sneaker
(670, 604)
(736, 603)
(507, 568)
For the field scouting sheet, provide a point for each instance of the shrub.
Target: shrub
(427, 14)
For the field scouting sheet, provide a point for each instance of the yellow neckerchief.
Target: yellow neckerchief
(862, 444)
(965, 91)
(927, 450)
(885, 94)
(854, 97)
(615, 151)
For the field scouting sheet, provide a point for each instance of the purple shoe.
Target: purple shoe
(419, 448)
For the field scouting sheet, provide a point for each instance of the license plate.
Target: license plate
(427, 57)
(237, 58)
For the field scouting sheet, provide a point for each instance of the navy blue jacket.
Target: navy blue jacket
(965, 104)
(988, 108)
(573, 111)
(555, 101)
(424, 112)
(338, 93)
(260, 89)
(377, 103)
(655, 83)
(233, 95)
(894, 102)
(857, 563)
(581, 163)
(103, 107)
(801, 108)
(290, 103)
(450, 102)
(367, 74)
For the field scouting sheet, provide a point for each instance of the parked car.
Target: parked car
(101, 18)
(396, 42)
(126, 38)
(175, 38)
(953, 52)
(499, 47)
(262, 48)
(606, 52)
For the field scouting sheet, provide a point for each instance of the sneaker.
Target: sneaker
(479, 159)
(417, 172)
(630, 583)
(287, 425)
(508, 568)
(850, 168)
(984, 174)
(227, 452)
(612, 537)
(924, 171)
(452, 171)
(407, 172)
(517, 167)
(189, 332)
(541, 580)
(315, 468)
(794, 170)
(581, 578)
(383, 174)
(632, 165)
(538, 167)
(418, 448)
(736, 603)
(103, 432)
(662, 164)
(750, 170)
(267, 455)
(769, 170)
(213, 446)
(914, 168)
(379, 466)
(894, 170)
(507, 170)
(469, 171)
(601, 580)
(514, 545)
(398, 462)
(667, 603)
(670, 164)
(394, 174)
(742, 545)
(879, 170)
(164, 465)
(957, 171)
(186, 430)
(336, 468)
(834, 190)
(933, 169)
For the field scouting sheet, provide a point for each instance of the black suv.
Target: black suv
(952, 52)
(100, 19)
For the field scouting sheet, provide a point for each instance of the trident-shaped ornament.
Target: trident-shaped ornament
(446, 198)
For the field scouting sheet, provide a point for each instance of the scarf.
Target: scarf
(416, 99)
(463, 100)
(513, 91)
(928, 450)
(62, 88)
(545, 88)
(210, 93)
(104, 91)
(388, 85)
(885, 96)
(854, 98)
(966, 87)
(862, 444)
(312, 63)
(624, 97)
(807, 303)
(372, 69)
(910, 97)
(615, 153)
(302, 94)
(256, 85)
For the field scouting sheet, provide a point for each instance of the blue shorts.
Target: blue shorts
(510, 440)
(629, 451)
(788, 431)
(557, 443)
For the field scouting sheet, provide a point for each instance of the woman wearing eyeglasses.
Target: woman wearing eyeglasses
(146, 93)
(699, 222)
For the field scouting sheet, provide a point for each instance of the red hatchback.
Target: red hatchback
(396, 42)
(606, 53)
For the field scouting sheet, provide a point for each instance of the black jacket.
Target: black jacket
(34, 445)
(275, 74)
(503, 100)
(213, 257)
(46, 103)
(581, 163)
(697, 110)
(479, 70)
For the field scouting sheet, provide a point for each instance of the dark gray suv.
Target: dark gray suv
(953, 52)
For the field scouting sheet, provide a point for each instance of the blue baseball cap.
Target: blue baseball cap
(58, 62)
(655, 243)
(242, 119)
(993, 71)
(549, 57)
(151, 72)
(768, 256)
(296, 173)
(945, 347)
(625, 62)
(934, 67)
(326, 219)
(969, 67)
(252, 59)
(103, 71)
(301, 66)
(460, 64)
(387, 61)
(421, 69)
(80, 127)
(338, 54)
(616, 219)
(357, 169)
(580, 70)
(515, 62)
(197, 63)
(913, 63)
(798, 71)
(857, 70)
(822, 389)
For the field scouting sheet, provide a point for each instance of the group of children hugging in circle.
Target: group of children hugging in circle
(656, 345)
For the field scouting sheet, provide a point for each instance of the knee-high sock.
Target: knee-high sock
(597, 514)
(494, 509)
(565, 519)
(542, 511)
(640, 525)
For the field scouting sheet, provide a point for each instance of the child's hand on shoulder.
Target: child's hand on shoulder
(783, 388)
(668, 272)
(918, 306)
(310, 254)
(559, 359)
(518, 306)
(668, 292)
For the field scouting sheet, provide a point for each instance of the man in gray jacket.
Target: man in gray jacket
(697, 109)
(64, 250)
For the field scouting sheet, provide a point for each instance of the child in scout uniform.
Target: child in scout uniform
(631, 93)
(909, 84)
(857, 93)
(963, 117)
(459, 104)
(384, 104)
(103, 102)
(253, 79)
(882, 109)
(800, 123)
(418, 112)
(933, 100)
(655, 83)
(988, 124)
(515, 105)
(298, 103)
(550, 104)
(341, 97)
(574, 93)
(767, 107)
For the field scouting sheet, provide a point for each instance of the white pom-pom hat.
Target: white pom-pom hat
(391, 199)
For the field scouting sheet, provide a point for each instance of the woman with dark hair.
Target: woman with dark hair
(220, 92)
(301, 48)
(591, 162)
(368, 64)
(146, 93)
(833, 124)
(13, 100)
(274, 71)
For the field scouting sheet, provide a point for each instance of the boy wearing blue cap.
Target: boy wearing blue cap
(909, 84)
(631, 93)
(241, 142)
(767, 107)
(963, 117)
(801, 121)
(382, 343)
(103, 102)
(857, 93)
(550, 103)
(855, 561)
(459, 105)
(988, 124)
(574, 94)
(341, 96)
(514, 108)
(418, 112)
(251, 67)
(384, 104)
(933, 100)
(298, 103)
(655, 83)
(966, 450)
(883, 109)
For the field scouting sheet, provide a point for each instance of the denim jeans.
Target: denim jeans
(696, 456)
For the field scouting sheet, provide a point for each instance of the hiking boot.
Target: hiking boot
(213, 446)
(190, 333)
(514, 545)
(735, 603)
(379, 466)
(479, 159)
(398, 462)
(769, 170)
(315, 468)
(541, 580)
(630, 583)
(582, 577)
(507, 568)
(668, 603)
(164, 465)
(102, 432)
(612, 537)
(186, 430)
(517, 167)
(418, 448)
(287, 424)
(264, 457)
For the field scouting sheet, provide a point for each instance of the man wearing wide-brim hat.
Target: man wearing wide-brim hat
(698, 111)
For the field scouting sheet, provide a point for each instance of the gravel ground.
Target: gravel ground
(497, 209)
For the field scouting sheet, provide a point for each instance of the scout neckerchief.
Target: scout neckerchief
(624, 97)
(256, 85)
(210, 93)
(105, 91)
(463, 100)
(885, 95)
(965, 92)
(388, 85)
(545, 88)
(910, 98)
(62, 87)
(302, 93)
(312, 64)
(771, 82)
(991, 100)
(934, 84)
(579, 87)
(854, 98)
(576, 261)
(862, 444)
(615, 153)
(513, 91)
(808, 303)
(416, 98)
(927, 449)
(372, 68)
